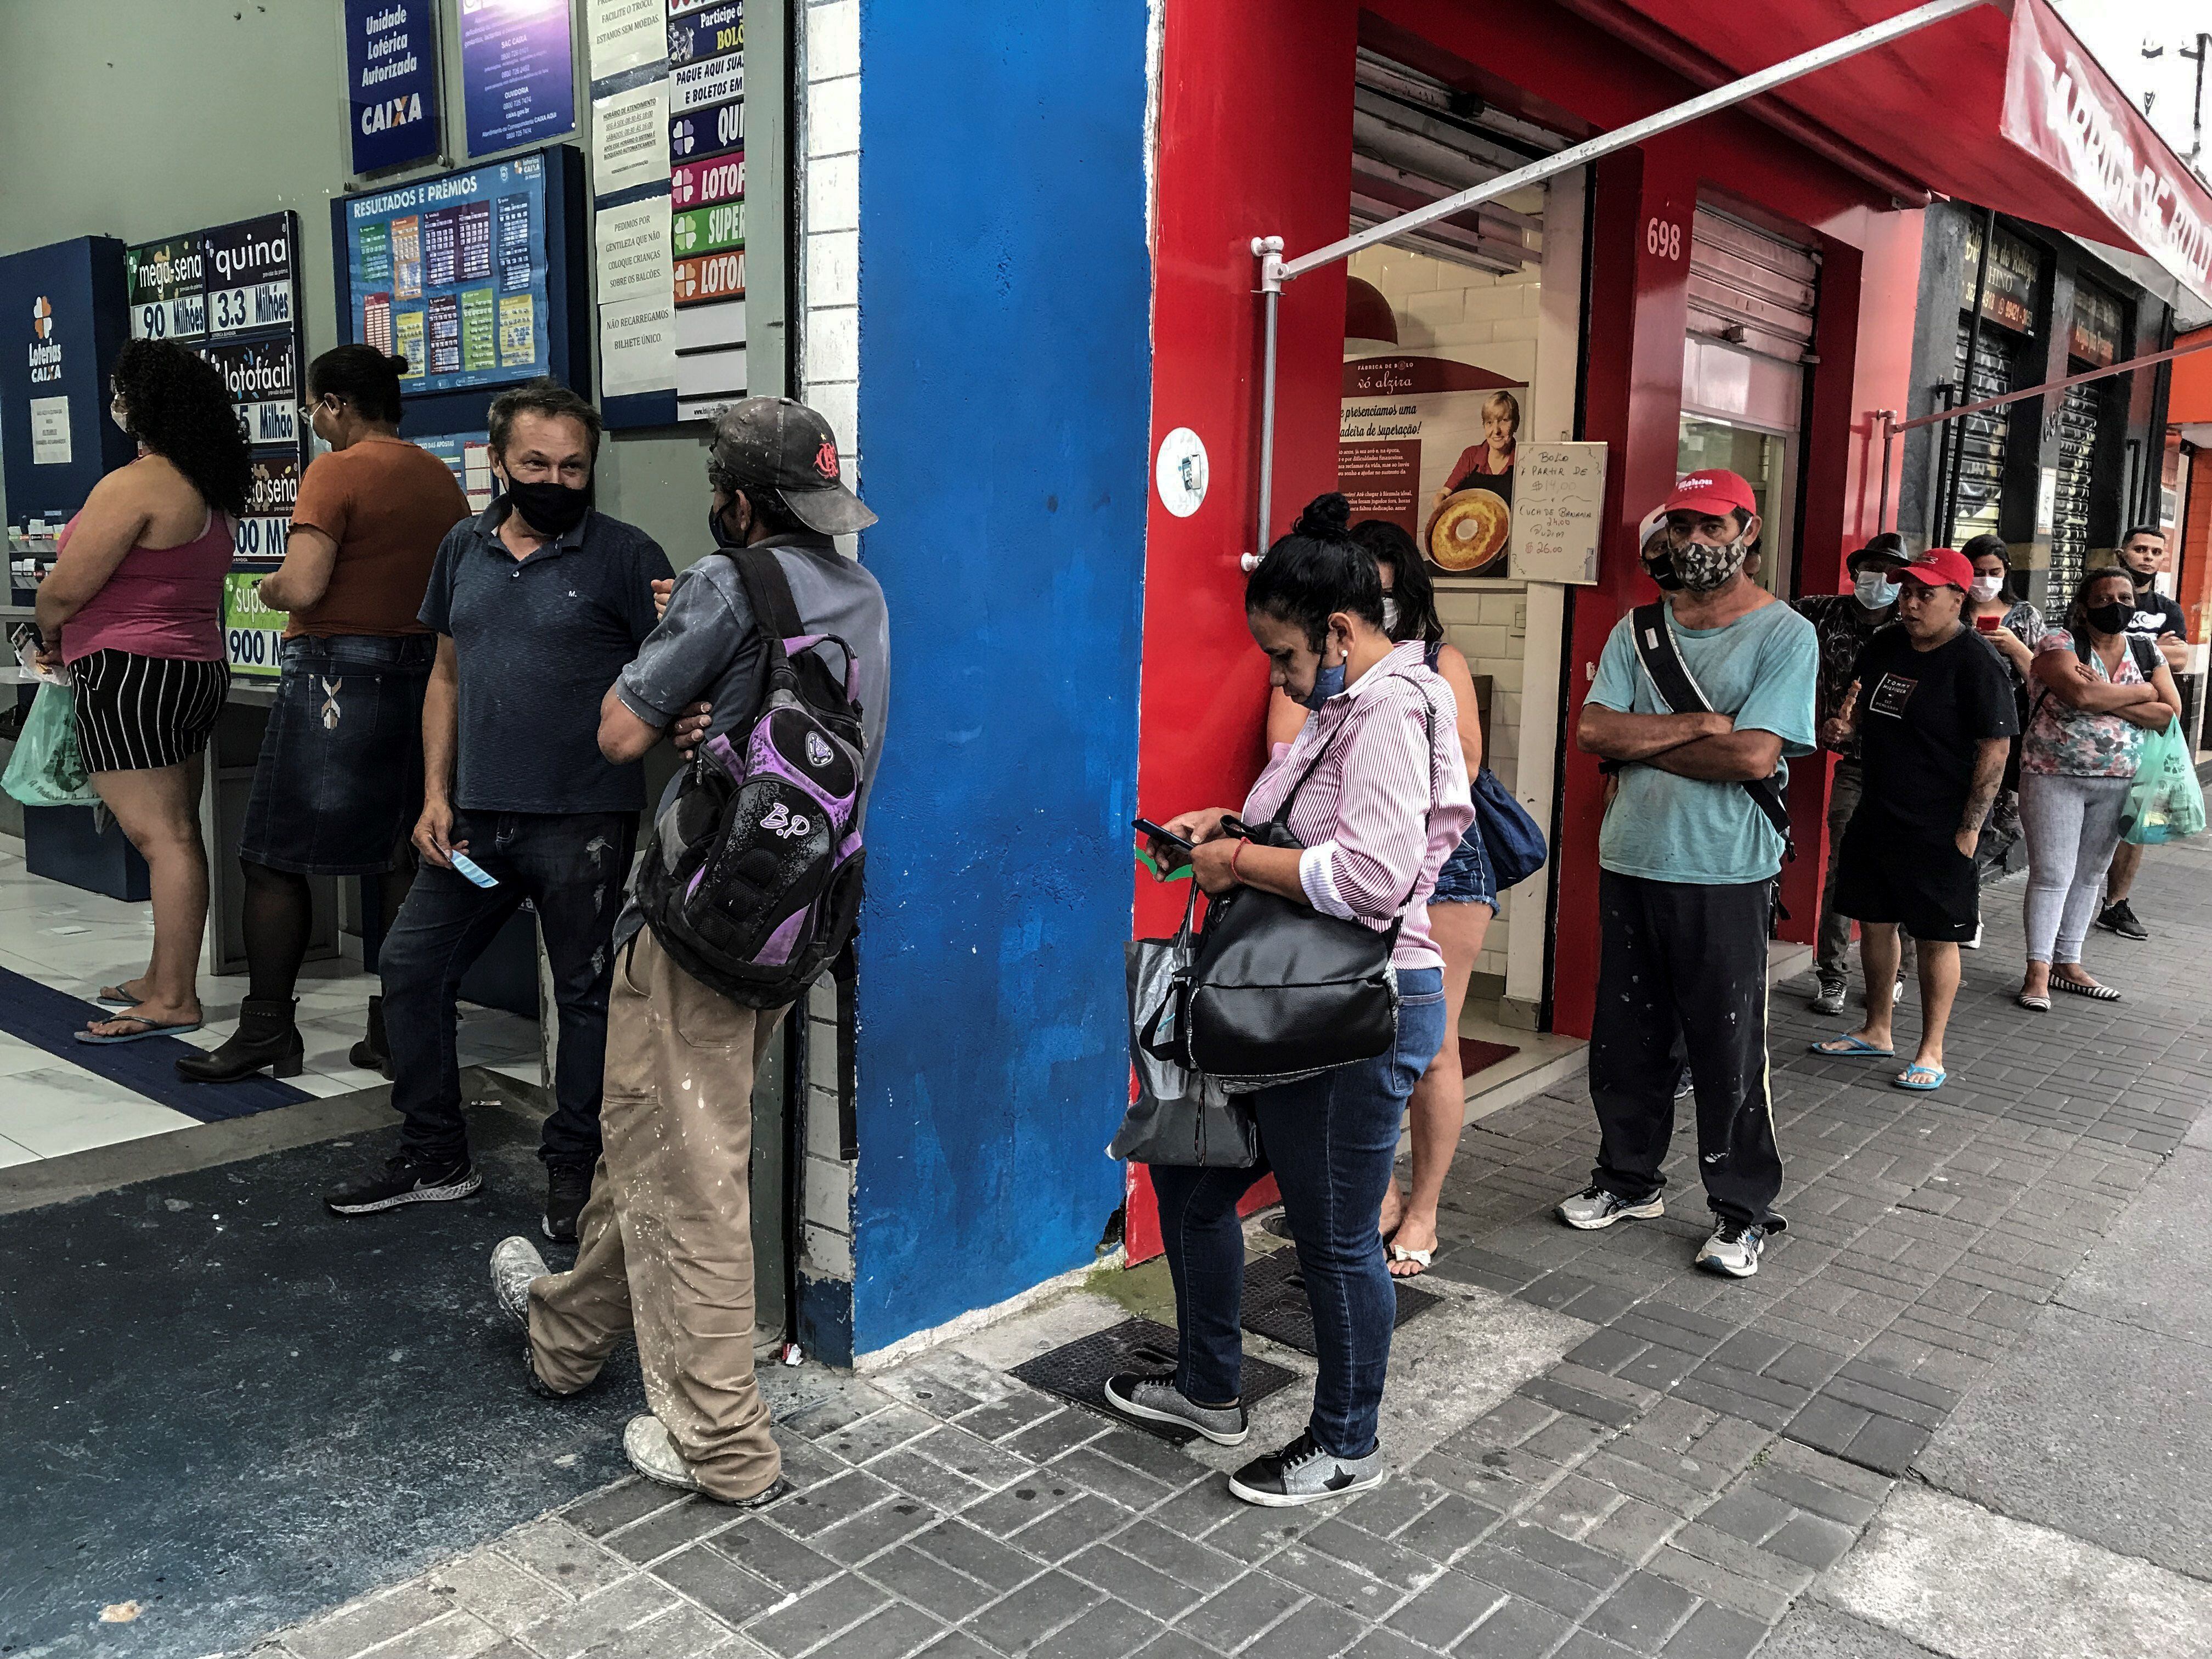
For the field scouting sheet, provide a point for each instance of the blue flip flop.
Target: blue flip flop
(151, 1030)
(1856, 1048)
(1903, 1078)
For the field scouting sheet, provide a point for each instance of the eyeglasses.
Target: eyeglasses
(307, 410)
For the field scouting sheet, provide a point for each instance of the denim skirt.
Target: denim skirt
(339, 782)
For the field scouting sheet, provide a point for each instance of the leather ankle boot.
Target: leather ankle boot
(266, 1039)
(371, 1054)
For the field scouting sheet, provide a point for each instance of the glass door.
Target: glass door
(1767, 462)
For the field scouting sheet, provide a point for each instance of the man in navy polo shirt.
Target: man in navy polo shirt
(539, 604)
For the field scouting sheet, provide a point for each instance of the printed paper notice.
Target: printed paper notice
(637, 346)
(633, 251)
(629, 139)
(50, 431)
(625, 34)
(1559, 508)
(518, 329)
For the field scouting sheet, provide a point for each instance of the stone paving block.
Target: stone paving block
(1749, 1513)
(718, 1585)
(820, 1508)
(363, 1625)
(1011, 1509)
(1109, 1630)
(1252, 1532)
(1238, 1611)
(1150, 1455)
(1442, 1532)
(1604, 1386)
(1173, 1644)
(1565, 1443)
(871, 1436)
(496, 1590)
(1082, 1521)
(1565, 1397)
(1716, 1583)
(987, 1465)
(1137, 1583)
(1576, 1560)
(1828, 1424)
(619, 1505)
(769, 1553)
(1023, 1408)
(1888, 1444)
(671, 1529)
(1317, 1630)
(1587, 1644)
(1748, 1560)
(1197, 1511)
(853, 1542)
(928, 1583)
(457, 1636)
(1673, 1424)
(1446, 1610)
(892, 1633)
(1811, 1539)
(1701, 1387)
(1389, 1508)
(978, 1555)
(1632, 1531)
(1641, 1480)
(1396, 1565)
(1044, 1438)
(683, 1632)
(1034, 1612)
(1717, 1632)
(1515, 1629)
(1110, 1478)
(1512, 1571)
(1181, 1557)
(834, 1605)
(561, 1555)
(924, 1478)
(1573, 1505)
(597, 1618)
(852, 1400)
(1332, 1580)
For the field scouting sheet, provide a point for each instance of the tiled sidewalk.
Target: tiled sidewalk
(1666, 1488)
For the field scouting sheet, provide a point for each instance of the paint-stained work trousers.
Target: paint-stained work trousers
(1682, 975)
(572, 868)
(665, 1244)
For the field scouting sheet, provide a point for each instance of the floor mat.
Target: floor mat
(50, 1019)
(1075, 1371)
(1476, 1056)
(1275, 1304)
(234, 1408)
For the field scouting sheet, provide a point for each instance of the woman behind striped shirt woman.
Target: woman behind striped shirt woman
(133, 606)
(1378, 788)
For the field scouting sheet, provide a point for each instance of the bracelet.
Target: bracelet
(1236, 852)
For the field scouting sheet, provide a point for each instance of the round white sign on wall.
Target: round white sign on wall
(1180, 472)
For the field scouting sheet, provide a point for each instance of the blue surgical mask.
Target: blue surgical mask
(1327, 681)
(1874, 592)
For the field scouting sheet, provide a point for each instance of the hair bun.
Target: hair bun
(399, 363)
(1327, 518)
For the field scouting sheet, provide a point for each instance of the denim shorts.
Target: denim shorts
(1467, 878)
(340, 778)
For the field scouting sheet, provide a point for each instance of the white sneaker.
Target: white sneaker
(514, 1263)
(1594, 1207)
(1975, 943)
(1733, 1249)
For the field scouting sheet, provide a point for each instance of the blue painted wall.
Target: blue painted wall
(1004, 391)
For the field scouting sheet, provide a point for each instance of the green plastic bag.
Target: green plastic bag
(47, 768)
(2165, 802)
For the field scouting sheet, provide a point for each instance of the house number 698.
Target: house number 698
(1662, 237)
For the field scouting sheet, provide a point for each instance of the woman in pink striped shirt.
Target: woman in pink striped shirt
(1378, 799)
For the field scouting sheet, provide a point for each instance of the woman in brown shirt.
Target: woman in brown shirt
(340, 777)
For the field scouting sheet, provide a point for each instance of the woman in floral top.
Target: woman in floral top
(2096, 691)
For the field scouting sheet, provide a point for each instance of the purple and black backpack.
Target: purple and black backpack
(751, 882)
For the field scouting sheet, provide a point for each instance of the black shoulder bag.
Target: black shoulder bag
(1277, 991)
(1670, 677)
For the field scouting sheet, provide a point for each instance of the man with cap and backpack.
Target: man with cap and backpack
(748, 888)
(1696, 700)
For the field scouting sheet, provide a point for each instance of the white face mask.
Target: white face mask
(1875, 590)
(1390, 615)
(1985, 588)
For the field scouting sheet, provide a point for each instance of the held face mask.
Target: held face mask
(1327, 681)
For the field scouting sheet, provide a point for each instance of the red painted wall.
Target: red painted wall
(1256, 139)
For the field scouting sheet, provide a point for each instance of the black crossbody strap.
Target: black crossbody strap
(1679, 690)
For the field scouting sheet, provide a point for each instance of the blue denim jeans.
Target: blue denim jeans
(572, 866)
(1329, 1142)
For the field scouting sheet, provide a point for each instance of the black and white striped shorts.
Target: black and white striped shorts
(136, 713)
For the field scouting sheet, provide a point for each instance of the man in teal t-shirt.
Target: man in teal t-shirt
(1687, 860)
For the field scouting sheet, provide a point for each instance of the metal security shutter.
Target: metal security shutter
(1415, 140)
(2081, 408)
(1978, 446)
(1751, 288)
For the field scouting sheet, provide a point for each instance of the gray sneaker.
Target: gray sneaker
(1301, 1472)
(1829, 999)
(1733, 1249)
(1594, 1207)
(1153, 1396)
(514, 1263)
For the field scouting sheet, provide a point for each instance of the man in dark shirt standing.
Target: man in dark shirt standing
(537, 604)
(2158, 619)
(1844, 623)
(1934, 718)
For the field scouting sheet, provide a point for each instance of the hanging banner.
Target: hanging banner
(263, 377)
(708, 229)
(518, 72)
(248, 270)
(2057, 109)
(709, 130)
(1430, 445)
(717, 80)
(710, 276)
(391, 81)
(709, 32)
(168, 294)
(701, 184)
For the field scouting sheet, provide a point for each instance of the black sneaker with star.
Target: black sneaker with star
(403, 1179)
(2121, 919)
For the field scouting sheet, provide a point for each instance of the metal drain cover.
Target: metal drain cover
(1075, 1371)
(1275, 1304)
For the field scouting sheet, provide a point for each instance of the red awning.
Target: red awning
(2000, 106)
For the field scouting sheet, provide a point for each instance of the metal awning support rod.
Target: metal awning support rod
(1275, 271)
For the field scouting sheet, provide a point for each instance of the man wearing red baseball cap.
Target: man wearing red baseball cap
(1933, 711)
(1695, 701)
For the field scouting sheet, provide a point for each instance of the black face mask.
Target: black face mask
(1662, 571)
(2142, 579)
(719, 531)
(2110, 618)
(550, 509)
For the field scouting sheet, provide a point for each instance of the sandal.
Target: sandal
(1420, 1259)
(2033, 1005)
(2073, 987)
(114, 996)
(1851, 1046)
(146, 1028)
(1935, 1076)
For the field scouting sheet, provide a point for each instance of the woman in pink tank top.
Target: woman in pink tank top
(134, 607)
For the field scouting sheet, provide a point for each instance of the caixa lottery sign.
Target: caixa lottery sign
(701, 184)
(707, 131)
(264, 380)
(252, 634)
(247, 268)
(167, 288)
(710, 276)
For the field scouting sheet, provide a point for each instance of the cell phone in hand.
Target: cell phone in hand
(1172, 851)
(1988, 624)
